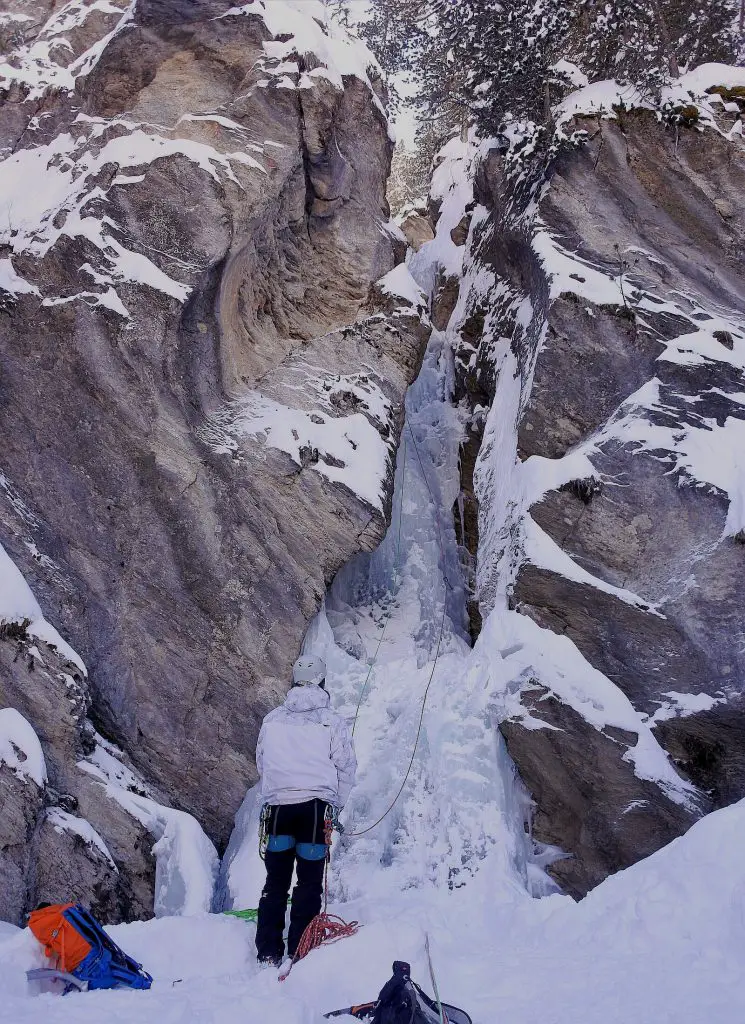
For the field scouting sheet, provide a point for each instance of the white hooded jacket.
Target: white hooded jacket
(305, 751)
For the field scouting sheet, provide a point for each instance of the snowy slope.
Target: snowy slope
(659, 942)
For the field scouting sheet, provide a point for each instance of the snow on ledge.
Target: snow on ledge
(709, 452)
(34, 67)
(709, 76)
(62, 822)
(532, 656)
(304, 27)
(17, 603)
(12, 283)
(186, 861)
(567, 69)
(20, 748)
(682, 705)
(603, 98)
(345, 449)
(399, 283)
(599, 98)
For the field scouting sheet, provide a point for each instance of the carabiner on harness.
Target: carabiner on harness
(264, 830)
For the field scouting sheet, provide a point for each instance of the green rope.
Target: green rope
(244, 915)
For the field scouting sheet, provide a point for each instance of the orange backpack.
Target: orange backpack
(58, 937)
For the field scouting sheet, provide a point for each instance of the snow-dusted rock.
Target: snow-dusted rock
(201, 394)
(603, 321)
(22, 777)
(417, 228)
(49, 848)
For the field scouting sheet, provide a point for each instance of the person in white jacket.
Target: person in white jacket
(305, 759)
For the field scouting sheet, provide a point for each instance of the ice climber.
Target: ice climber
(307, 766)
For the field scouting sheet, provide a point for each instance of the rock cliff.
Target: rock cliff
(201, 393)
(601, 354)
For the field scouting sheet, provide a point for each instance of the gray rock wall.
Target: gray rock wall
(210, 219)
(655, 601)
(41, 862)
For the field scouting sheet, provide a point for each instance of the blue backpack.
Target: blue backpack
(104, 966)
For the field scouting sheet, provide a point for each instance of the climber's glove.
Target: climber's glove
(335, 823)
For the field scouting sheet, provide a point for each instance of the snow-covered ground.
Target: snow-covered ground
(660, 942)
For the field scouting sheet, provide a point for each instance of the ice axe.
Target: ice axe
(361, 1012)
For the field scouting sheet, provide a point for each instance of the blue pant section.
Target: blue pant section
(312, 851)
(278, 844)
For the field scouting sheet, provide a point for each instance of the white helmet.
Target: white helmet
(308, 671)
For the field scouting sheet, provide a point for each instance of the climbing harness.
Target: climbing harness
(325, 928)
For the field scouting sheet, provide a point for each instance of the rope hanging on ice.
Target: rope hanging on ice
(369, 828)
(326, 928)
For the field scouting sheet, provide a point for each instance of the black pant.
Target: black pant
(305, 823)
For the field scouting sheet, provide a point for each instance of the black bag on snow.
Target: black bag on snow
(401, 1001)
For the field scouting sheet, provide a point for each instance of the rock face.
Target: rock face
(417, 228)
(48, 849)
(610, 345)
(200, 392)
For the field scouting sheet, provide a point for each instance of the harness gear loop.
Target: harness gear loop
(264, 831)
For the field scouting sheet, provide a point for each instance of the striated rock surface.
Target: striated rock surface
(200, 391)
(603, 322)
